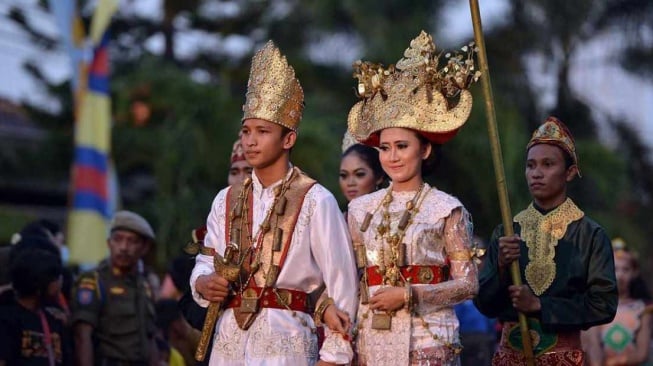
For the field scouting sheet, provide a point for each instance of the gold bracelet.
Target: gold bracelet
(408, 296)
(319, 312)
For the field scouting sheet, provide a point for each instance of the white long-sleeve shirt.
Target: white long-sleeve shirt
(320, 252)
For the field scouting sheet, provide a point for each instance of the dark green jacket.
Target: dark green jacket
(583, 293)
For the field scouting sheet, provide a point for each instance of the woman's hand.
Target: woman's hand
(336, 320)
(388, 299)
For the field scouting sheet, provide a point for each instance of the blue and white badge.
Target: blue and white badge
(84, 296)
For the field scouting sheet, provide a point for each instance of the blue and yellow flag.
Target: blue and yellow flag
(91, 207)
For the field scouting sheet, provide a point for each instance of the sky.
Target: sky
(595, 76)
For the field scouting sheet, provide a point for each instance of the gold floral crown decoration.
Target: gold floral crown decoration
(416, 93)
(621, 251)
(237, 153)
(347, 141)
(554, 132)
(273, 92)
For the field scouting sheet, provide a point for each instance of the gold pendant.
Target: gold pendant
(381, 321)
(361, 256)
(280, 208)
(272, 275)
(401, 255)
(392, 276)
(249, 301)
(364, 292)
(366, 222)
(276, 239)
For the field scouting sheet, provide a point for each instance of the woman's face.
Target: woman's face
(401, 157)
(356, 177)
(624, 271)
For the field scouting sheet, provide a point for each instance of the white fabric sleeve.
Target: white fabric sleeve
(332, 250)
(214, 239)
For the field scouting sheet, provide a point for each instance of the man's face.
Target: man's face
(547, 175)
(238, 172)
(126, 248)
(264, 142)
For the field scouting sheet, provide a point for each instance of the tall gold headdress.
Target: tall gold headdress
(414, 94)
(273, 92)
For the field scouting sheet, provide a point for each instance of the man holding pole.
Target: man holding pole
(564, 258)
(277, 240)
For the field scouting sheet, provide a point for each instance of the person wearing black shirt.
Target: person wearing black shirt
(29, 334)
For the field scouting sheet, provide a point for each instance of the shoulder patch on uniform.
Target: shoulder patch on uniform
(148, 289)
(88, 284)
(117, 290)
(84, 296)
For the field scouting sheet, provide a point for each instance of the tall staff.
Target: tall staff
(497, 160)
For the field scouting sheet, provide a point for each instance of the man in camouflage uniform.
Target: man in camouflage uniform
(113, 308)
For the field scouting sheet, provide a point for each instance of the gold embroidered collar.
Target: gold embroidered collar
(541, 234)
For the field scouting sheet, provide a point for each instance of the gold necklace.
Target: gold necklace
(278, 207)
(389, 267)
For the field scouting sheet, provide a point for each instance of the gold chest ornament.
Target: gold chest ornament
(541, 234)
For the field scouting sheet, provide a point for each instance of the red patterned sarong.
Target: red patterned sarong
(566, 351)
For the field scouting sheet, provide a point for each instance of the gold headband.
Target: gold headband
(273, 92)
(554, 132)
(414, 94)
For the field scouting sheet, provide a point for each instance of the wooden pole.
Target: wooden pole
(497, 160)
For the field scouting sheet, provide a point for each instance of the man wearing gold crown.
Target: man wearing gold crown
(278, 240)
(412, 241)
(565, 260)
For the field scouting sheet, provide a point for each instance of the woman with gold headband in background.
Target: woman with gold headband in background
(624, 341)
(412, 241)
(360, 169)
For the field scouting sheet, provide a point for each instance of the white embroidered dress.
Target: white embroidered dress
(320, 252)
(441, 233)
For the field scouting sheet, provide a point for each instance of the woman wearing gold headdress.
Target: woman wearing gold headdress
(564, 258)
(624, 341)
(412, 241)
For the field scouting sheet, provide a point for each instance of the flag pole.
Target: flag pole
(497, 160)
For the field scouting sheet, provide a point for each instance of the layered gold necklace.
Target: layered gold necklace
(254, 251)
(389, 265)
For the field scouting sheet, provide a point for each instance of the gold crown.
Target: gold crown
(273, 92)
(414, 94)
